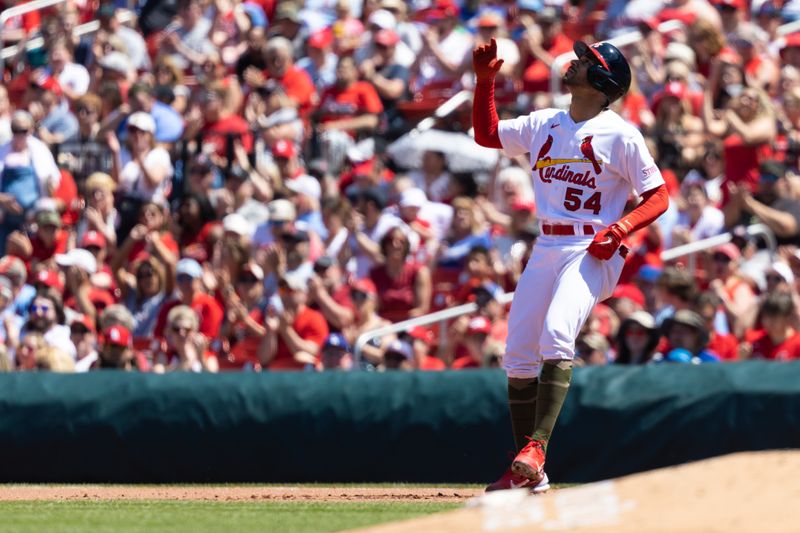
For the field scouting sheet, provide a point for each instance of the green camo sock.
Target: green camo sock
(553, 388)
(522, 406)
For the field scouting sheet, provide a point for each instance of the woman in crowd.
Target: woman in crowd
(405, 284)
(364, 296)
(184, 347)
(143, 292)
(142, 169)
(637, 339)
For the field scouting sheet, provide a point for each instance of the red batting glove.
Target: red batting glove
(485, 62)
(606, 242)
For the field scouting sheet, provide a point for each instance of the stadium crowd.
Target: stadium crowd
(231, 185)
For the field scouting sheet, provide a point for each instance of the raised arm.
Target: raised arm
(484, 113)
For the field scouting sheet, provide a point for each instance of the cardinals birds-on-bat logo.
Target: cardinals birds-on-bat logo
(545, 164)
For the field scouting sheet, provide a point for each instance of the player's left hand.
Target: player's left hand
(606, 242)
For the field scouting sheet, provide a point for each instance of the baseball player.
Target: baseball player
(584, 164)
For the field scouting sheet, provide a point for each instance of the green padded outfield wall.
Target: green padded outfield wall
(415, 427)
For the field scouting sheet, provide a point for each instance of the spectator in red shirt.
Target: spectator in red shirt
(49, 238)
(190, 293)
(543, 41)
(116, 351)
(221, 125)
(723, 344)
(474, 342)
(295, 81)
(364, 296)
(244, 321)
(185, 347)
(405, 284)
(422, 339)
(778, 340)
(296, 333)
(348, 109)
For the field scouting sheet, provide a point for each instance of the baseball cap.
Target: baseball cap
(680, 52)
(85, 321)
(479, 324)
(643, 318)
(100, 298)
(117, 335)
(337, 340)
(282, 210)
(287, 11)
(12, 266)
(686, 317)
(305, 185)
(321, 38)
(189, 267)
(364, 285)
(413, 197)
(93, 238)
(519, 205)
(283, 148)
(78, 257)
(594, 341)
(400, 347)
(383, 19)
(253, 269)
(631, 292)
(783, 270)
(295, 281)
(256, 13)
(422, 333)
(116, 61)
(142, 121)
(490, 19)
(236, 223)
(649, 273)
(48, 218)
(729, 250)
(387, 37)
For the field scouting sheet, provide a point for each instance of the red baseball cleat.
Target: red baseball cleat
(509, 480)
(529, 462)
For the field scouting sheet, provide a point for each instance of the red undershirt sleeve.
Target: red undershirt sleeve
(484, 115)
(654, 203)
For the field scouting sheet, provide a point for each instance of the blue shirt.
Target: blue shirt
(457, 252)
(169, 124)
(315, 223)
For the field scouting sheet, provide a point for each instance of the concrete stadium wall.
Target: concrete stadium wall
(359, 427)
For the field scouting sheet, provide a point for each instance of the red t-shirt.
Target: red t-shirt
(432, 364)
(358, 99)
(139, 248)
(396, 296)
(465, 362)
(207, 309)
(725, 346)
(216, 133)
(536, 77)
(244, 346)
(311, 326)
(43, 253)
(764, 348)
(298, 86)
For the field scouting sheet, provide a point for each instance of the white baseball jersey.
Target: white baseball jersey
(582, 172)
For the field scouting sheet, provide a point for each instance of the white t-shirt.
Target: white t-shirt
(42, 159)
(132, 178)
(75, 77)
(457, 43)
(582, 172)
(710, 223)
(437, 191)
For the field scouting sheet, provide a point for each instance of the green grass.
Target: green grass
(200, 516)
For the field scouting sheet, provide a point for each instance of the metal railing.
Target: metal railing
(692, 248)
(406, 325)
(22, 9)
(78, 31)
(444, 315)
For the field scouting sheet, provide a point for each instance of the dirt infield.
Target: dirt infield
(233, 493)
(745, 492)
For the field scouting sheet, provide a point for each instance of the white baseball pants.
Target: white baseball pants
(557, 291)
